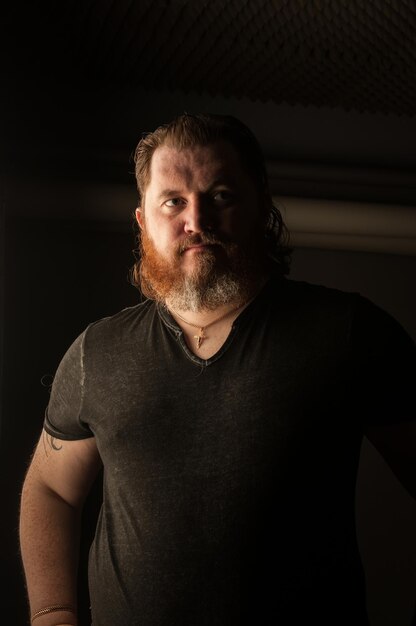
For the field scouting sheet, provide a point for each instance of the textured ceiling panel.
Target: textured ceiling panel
(354, 54)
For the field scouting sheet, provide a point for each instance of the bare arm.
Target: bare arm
(58, 480)
(397, 445)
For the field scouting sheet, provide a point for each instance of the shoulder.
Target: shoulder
(307, 291)
(121, 326)
(364, 314)
(318, 307)
(311, 300)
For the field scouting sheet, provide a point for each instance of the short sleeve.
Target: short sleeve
(63, 416)
(384, 364)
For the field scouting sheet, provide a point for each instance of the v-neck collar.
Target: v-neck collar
(240, 320)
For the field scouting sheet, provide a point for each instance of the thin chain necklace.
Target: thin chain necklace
(201, 334)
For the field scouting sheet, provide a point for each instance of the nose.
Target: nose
(197, 216)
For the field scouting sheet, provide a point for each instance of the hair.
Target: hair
(189, 130)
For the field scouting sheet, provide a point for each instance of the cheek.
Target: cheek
(165, 234)
(243, 224)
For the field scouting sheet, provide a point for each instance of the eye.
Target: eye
(172, 203)
(223, 197)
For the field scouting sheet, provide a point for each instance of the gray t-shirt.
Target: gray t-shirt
(229, 483)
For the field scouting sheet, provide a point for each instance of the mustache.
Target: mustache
(209, 239)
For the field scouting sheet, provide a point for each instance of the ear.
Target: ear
(139, 217)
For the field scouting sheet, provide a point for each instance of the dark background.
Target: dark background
(328, 89)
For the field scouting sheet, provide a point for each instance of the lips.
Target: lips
(195, 243)
(201, 246)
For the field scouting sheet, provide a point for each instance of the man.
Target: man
(227, 410)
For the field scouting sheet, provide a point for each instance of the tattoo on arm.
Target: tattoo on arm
(51, 441)
(53, 444)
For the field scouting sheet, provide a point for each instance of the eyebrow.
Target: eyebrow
(227, 182)
(168, 192)
(174, 192)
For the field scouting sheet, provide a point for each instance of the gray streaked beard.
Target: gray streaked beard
(192, 297)
(219, 278)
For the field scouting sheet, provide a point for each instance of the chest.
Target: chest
(265, 400)
(205, 342)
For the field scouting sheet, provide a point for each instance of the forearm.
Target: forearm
(397, 445)
(49, 542)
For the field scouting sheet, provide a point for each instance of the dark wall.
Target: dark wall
(386, 513)
(61, 275)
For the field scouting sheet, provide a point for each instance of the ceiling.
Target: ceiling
(354, 54)
(328, 87)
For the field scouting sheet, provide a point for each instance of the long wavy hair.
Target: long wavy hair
(189, 130)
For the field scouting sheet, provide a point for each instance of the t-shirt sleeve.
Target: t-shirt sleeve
(64, 416)
(384, 362)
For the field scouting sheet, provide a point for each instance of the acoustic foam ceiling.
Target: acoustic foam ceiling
(353, 54)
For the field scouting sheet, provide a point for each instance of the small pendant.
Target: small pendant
(199, 338)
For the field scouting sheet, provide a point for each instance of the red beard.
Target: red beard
(222, 262)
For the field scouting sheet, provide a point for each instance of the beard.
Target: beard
(223, 273)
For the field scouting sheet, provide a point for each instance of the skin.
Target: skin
(397, 444)
(211, 192)
(194, 204)
(195, 191)
(198, 189)
(208, 190)
(57, 482)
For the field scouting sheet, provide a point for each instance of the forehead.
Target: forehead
(198, 164)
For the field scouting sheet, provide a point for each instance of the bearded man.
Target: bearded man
(227, 410)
